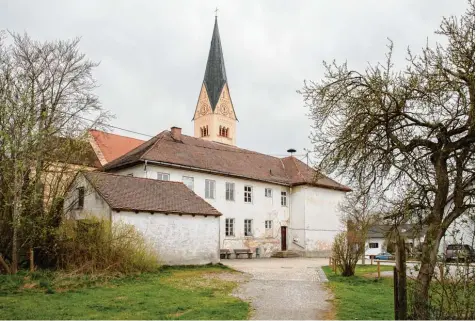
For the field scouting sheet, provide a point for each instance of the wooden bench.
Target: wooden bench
(243, 251)
(225, 253)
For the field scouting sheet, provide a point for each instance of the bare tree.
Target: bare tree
(46, 90)
(408, 130)
(360, 211)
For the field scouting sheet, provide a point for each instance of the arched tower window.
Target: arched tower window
(226, 132)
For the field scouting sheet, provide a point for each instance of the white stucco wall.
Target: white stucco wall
(375, 251)
(322, 219)
(262, 208)
(94, 204)
(297, 235)
(179, 240)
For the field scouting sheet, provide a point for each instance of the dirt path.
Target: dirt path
(281, 289)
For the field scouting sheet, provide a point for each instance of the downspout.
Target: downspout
(290, 211)
(145, 169)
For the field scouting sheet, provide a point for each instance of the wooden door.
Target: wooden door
(284, 244)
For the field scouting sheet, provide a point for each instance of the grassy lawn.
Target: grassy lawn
(362, 297)
(172, 293)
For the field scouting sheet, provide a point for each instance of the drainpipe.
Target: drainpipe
(145, 169)
(290, 211)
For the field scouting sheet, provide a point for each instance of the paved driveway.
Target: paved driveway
(287, 288)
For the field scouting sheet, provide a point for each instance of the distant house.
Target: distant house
(181, 226)
(380, 239)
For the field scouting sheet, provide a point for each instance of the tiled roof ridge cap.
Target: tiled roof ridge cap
(239, 149)
(130, 177)
(160, 136)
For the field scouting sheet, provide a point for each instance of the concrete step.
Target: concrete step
(285, 254)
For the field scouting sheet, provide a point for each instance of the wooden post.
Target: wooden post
(401, 278)
(32, 260)
(378, 269)
(371, 260)
(395, 293)
(442, 273)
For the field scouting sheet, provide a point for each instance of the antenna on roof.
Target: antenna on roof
(291, 151)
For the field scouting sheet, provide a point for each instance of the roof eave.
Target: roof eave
(125, 209)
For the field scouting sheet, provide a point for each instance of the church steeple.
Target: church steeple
(215, 73)
(215, 117)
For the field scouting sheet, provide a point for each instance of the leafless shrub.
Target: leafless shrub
(97, 246)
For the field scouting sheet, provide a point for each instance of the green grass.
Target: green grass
(362, 297)
(171, 293)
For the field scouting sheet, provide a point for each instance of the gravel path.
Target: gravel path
(279, 289)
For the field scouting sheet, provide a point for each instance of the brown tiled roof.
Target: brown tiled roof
(129, 193)
(201, 155)
(113, 146)
(301, 174)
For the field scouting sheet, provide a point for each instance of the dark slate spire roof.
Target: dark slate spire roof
(215, 74)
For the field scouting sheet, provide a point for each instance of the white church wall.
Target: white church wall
(94, 204)
(262, 208)
(322, 219)
(179, 240)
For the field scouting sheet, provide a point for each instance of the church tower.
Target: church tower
(215, 117)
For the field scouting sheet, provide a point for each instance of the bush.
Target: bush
(347, 248)
(93, 245)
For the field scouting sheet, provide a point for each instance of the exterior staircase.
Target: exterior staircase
(285, 254)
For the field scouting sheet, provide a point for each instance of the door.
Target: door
(284, 244)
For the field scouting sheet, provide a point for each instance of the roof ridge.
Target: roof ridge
(297, 167)
(130, 177)
(102, 131)
(159, 136)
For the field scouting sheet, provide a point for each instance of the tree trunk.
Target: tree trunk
(16, 219)
(421, 306)
(402, 279)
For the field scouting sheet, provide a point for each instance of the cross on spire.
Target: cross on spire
(216, 12)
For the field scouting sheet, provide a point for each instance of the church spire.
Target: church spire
(215, 74)
(214, 118)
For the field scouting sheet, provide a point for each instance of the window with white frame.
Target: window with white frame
(230, 227)
(284, 198)
(230, 191)
(188, 181)
(248, 195)
(163, 176)
(268, 224)
(373, 245)
(248, 227)
(209, 189)
(268, 192)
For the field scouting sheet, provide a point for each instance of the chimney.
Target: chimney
(176, 133)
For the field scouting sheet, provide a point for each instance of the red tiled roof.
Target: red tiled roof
(127, 193)
(201, 155)
(113, 146)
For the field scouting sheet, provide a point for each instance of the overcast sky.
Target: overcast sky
(153, 54)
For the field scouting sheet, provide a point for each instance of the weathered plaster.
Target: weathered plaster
(179, 240)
